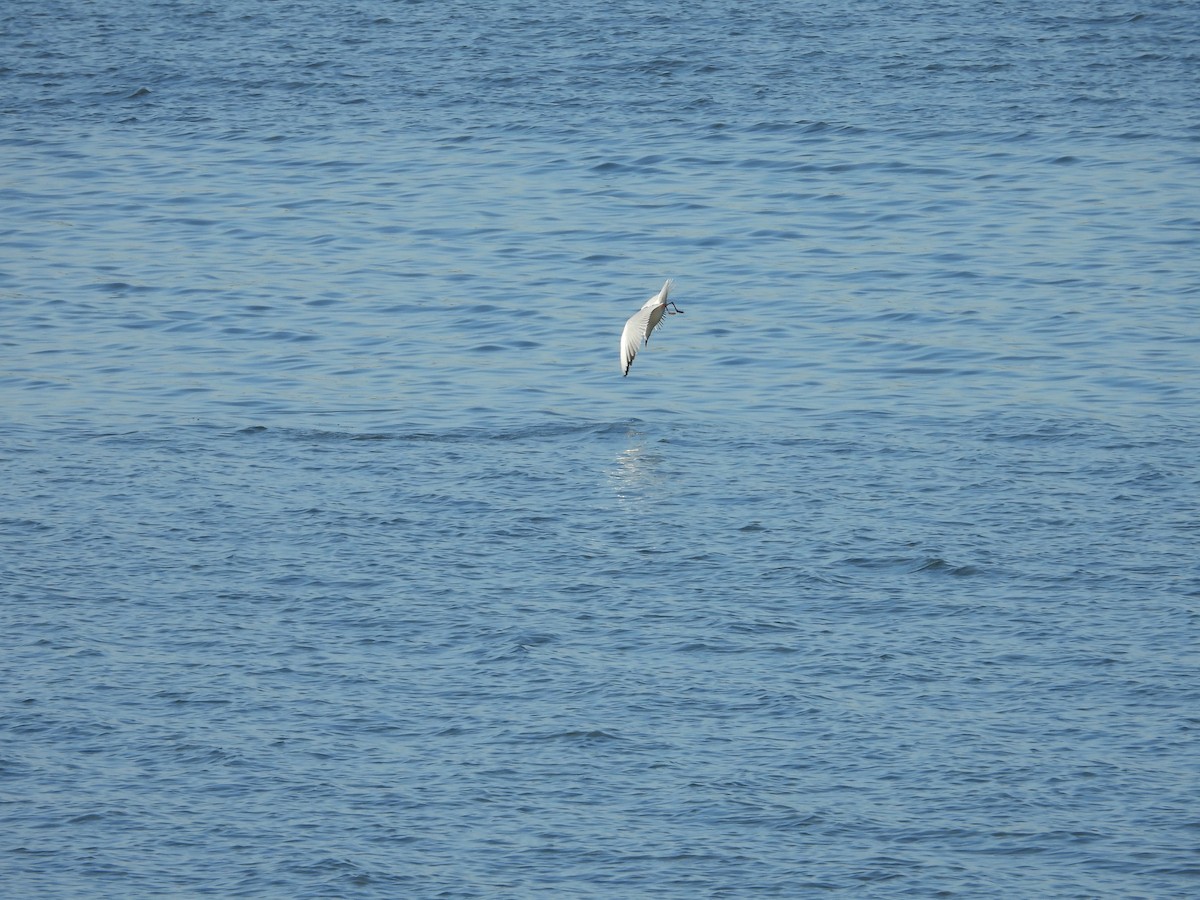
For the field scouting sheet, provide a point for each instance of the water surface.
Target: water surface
(338, 559)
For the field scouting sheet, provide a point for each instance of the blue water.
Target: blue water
(337, 559)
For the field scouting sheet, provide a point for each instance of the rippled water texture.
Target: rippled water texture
(338, 559)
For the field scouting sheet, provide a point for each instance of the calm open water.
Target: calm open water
(337, 559)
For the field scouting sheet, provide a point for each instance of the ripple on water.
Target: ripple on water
(339, 558)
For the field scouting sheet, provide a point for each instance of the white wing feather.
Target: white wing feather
(633, 337)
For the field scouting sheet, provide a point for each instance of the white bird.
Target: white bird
(643, 322)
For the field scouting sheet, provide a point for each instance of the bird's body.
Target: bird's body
(642, 323)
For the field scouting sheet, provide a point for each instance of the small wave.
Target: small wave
(910, 565)
(469, 434)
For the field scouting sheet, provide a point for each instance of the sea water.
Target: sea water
(337, 558)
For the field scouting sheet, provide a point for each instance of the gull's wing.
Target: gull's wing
(637, 332)
(633, 335)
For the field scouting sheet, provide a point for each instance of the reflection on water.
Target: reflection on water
(636, 467)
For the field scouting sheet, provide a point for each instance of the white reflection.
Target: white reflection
(636, 468)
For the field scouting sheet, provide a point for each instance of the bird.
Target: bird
(643, 322)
